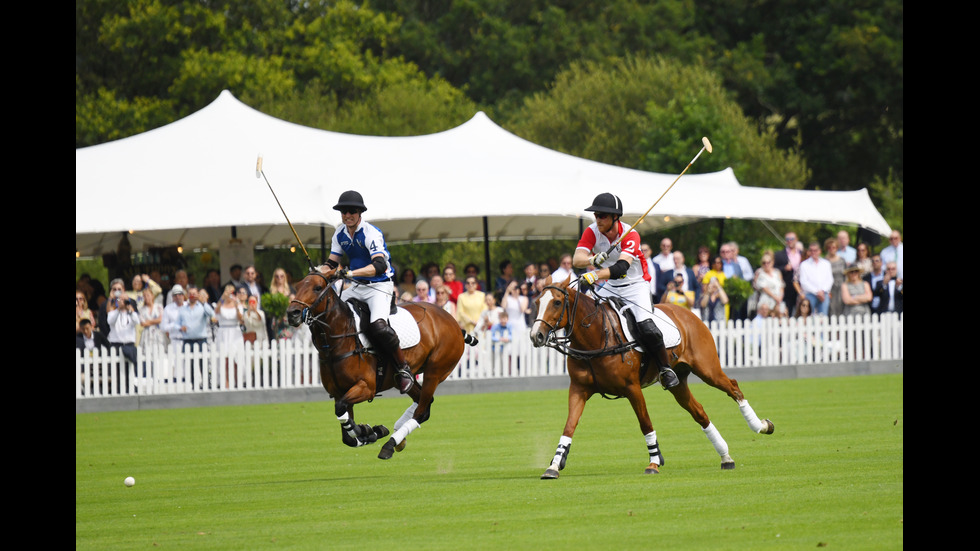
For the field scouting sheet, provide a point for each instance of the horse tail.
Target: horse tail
(469, 339)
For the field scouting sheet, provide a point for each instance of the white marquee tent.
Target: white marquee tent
(194, 182)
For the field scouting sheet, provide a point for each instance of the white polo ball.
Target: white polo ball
(130, 481)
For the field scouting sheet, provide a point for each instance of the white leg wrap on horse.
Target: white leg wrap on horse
(343, 417)
(716, 440)
(750, 417)
(409, 413)
(653, 448)
(404, 430)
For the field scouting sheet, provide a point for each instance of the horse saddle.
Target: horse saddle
(672, 336)
(401, 320)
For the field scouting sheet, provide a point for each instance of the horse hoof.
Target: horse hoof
(728, 465)
(652, 469)
(770, 428)
(401, 445)
(550, 474)
(380, 430)
(387, 450)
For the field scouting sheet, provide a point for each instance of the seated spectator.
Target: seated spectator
(88, 339)
(442, 300)
(855, 292)
(472, 270)
(454, 285)
(504, 279)
(714, 303)
(501, 332)
(435, 282)
(890, 291)
(470, 305)
(422, 292)
(254, 321)
(564, 269)
(490, 316)
(768, 281)
(676, 295)
(82, 311)
(406, 282)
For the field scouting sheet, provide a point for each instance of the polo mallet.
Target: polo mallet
(706, 147)
(259, 172)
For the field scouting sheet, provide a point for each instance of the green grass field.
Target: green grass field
(278, 476)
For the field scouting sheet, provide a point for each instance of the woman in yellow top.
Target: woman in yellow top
(470, 304)
(716, 272)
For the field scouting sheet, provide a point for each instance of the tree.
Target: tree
(828, 77)
(650, 113)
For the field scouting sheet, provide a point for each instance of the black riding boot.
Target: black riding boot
(383, 335)
(653, 342)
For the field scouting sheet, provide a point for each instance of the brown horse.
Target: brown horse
(601, 360)
(352, 374)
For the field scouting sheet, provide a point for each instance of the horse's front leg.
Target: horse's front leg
(577, 396)
(351, 433)
(634, 393)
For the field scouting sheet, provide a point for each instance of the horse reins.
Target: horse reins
(309, 317)
(555, 342)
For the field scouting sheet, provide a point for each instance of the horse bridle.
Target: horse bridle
(309, 317)
(553, 341)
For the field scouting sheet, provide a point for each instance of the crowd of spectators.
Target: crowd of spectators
(828, 278)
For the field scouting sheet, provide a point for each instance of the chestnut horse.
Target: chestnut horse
(352, 374)
(601, 360)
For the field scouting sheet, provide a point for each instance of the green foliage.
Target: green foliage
(890, 200)
(829, 78)
(650, 114)
(274, 305)
(627, 82)
(738, 291)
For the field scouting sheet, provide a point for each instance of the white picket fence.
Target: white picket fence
(293, 364)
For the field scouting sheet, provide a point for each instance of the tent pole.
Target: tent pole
(721, 234)
(486, 255)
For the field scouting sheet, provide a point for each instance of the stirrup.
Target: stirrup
(404, 379)
(668, 379)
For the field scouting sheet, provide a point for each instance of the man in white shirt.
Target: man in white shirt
(816, 280)
(123, 319)
(170, 324)
(894, 252)
(844, 248)
(564, 269)
(666, 257)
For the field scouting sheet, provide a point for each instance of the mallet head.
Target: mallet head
(704, 140)
(258, 166)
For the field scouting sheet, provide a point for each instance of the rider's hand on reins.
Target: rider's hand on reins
(590, 277)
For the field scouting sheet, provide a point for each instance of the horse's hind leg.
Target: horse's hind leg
(764, 426)
(414, 416)
(682, 393)
(715, 377)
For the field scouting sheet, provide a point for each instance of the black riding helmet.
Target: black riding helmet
(608, 203)
(350, 199)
